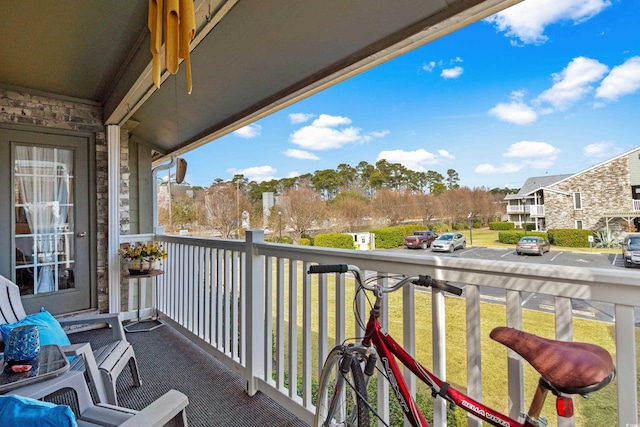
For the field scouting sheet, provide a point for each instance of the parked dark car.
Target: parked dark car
(449, 242)
(631, 249)
(533, 245)
(420, 239)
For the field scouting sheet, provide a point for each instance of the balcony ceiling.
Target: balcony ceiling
(249, 58)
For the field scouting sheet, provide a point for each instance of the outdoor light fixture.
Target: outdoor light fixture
(177, 17)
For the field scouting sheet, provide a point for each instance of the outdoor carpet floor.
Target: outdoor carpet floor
(167, 360)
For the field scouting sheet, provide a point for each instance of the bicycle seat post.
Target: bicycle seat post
(536, 406)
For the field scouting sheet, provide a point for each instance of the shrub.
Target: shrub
(513, 237)
(440, 227)
(501, 225)
(570, 237)
(305, 241)
(391, 237)
(334, 240)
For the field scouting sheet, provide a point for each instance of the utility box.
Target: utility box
(364, 241)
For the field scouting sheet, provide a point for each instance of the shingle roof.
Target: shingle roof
(534, 183)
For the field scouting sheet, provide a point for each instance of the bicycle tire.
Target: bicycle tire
(351, 408)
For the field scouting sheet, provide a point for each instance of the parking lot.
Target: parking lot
(534, 301)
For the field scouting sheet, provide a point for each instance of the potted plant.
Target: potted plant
(142, 258)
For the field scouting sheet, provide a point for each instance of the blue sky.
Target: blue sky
(545, 87)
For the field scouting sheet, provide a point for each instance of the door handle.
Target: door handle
(81, 234)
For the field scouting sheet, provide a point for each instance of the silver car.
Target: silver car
(449, 242)
(533, 245)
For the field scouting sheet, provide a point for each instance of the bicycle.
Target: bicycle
(565, 368)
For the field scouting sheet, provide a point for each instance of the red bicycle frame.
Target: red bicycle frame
(387, 347)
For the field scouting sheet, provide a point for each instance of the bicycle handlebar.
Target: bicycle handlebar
(425, 281)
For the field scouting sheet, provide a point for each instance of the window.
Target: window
(577, 201)
(579, 223)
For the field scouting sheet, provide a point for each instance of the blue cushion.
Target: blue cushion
(49, 328)
(24, 412)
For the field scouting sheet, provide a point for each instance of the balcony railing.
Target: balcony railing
(233, 299)
(533, 210)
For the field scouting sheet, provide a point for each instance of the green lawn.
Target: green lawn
(596, 410)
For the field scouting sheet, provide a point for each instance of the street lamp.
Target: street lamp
(524, 214)
(280, 224)
(470, 216)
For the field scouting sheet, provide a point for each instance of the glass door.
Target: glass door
(44, 224)
(45, 197)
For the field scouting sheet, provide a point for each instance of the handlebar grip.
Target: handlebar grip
(440, 284)
(328, 268)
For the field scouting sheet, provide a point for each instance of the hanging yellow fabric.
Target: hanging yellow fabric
(175, 19)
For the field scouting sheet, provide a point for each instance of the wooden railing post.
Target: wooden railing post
(254, 317)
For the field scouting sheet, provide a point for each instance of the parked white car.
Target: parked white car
(449, 242)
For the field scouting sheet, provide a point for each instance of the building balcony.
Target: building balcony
(532, 210)
(232, 299)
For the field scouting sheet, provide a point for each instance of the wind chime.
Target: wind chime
(175, 19)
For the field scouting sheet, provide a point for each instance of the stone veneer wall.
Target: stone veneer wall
(606, 188)
(48, 111)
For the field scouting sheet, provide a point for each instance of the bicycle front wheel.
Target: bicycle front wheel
(342, 397)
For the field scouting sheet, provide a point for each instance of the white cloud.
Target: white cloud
(379, 134)
(446, 154)
(249, 131)
(300, 154)
(530, 149)
(326, 120)
(515, 112)
(525, 22)
(622, 80)
(417, 160)
(300, 117)
(256, 173)
(451, 73)
(573, 83)
(487, 168)
(329, 132)
(533, 154)
(601, 150)
(429, 66)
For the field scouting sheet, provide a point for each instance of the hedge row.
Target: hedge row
(392, 237)
(501, 225)
(334, 240)
(570, 237)
(513, 237)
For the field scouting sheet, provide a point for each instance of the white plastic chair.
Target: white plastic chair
(102, 365)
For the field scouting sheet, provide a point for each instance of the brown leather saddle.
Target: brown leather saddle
(567, 367)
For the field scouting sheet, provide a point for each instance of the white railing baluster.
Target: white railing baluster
(409, 334)
(439, 335)
(235, 305)
(514, 361)
(280, 324)
(626, 365)
(307, 334)
(293, 329)
(383, 384)
(268, 324)
(323, 320)
(474, 348)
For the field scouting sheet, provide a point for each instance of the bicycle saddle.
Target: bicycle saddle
(568, 367)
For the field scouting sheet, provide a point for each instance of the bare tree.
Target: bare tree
(348, 213)
(304, 211)
(222, 207)
(391, 205)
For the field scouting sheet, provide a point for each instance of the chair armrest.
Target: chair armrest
(90, 366)
(167, 408)
(113, 319)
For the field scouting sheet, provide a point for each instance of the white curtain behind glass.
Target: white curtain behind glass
(43, 179)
